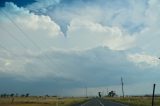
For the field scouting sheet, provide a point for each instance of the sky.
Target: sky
(60, 47)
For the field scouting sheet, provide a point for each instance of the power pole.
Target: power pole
(122, 86)
(86, 92)
(154, 85)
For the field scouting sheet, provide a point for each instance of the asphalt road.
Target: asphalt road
(101, 102)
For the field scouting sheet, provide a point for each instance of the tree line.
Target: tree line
(5, 95)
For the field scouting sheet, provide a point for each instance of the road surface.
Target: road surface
(101, 102)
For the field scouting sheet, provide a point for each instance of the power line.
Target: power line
(1, 46)
(25, 34)
(3, 11)
(14, 54)
(13, 37)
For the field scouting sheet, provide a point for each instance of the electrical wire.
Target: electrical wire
(26, 36)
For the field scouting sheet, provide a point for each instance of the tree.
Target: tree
(99, 94)
(27, 94)
(12, 95)
(22, 95)
(47, 95)
(111, 94)
(4, 95)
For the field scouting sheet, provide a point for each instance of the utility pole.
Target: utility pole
(122, 86)
(86, 92)
(153, 95)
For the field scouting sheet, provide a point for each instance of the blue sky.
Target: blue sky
(58, 47)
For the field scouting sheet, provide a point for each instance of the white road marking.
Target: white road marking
(100, 102)
(85, 103)
(119, 103)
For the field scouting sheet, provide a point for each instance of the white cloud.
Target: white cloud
(127, 28)
(148, 38)
(88, 34)
(29, 22)
(39, 28)
(152, 13)
(39, 24)
(144, 60)
(41, 5)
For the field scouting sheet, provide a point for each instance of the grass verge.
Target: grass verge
(41, 101)
(136, 101)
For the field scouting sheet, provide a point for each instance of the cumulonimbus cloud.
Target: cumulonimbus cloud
(101, 37)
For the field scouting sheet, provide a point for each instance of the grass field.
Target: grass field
(53, 101)
(136, 101)
(41, 101)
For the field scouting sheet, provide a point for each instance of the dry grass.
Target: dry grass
(41, 101)
(136, 101)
